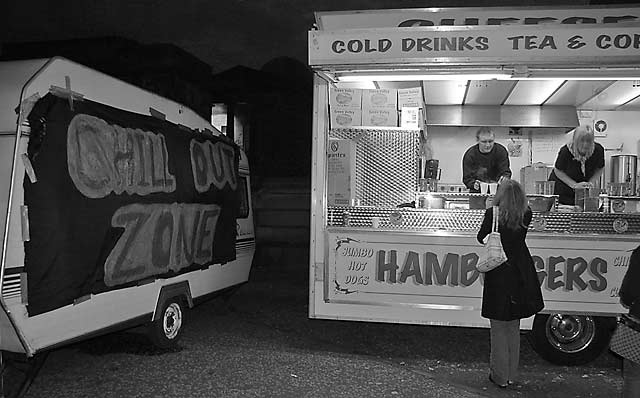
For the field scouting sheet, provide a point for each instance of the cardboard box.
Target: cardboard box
(387, 117)
(345, 97)
(345, 117)
(410, 97)
(341, 172)
(532, 173)
(384, 98)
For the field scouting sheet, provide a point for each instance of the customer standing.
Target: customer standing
(578, 165)
(512, 290)
(630, 298)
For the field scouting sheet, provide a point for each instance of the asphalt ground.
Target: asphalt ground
(261, 343)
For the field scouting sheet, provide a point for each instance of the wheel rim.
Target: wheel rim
(172, 320)
(570, 333)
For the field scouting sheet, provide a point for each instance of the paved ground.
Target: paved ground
(262, 344)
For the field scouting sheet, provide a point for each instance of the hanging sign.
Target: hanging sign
(541, 44)
(474, 16)
(361, 268)
(122, 197)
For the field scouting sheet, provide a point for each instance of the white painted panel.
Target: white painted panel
(532, 92)
(13, 76)
(633, 105)
(613, 96)
(575, 92)
(488, 92)
(7, 143)
(444, 92)
(110, 91)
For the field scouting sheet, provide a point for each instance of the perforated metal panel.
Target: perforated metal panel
(386, 164)
(470, 220)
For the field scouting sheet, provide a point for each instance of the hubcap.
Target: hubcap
(172, 321)
(570, 333)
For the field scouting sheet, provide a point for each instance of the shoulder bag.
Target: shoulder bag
(626, 339)
(493, 255)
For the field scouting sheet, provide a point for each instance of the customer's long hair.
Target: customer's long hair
(512, 203)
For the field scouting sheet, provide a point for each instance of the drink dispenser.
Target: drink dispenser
(624, 174)
(429, 174)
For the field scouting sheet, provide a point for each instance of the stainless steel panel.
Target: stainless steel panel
(456, 220)
(507, 116)
(624, 168)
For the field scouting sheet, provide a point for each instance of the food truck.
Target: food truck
(118, 208)
(399, 96)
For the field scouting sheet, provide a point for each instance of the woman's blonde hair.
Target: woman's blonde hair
(580, 132)
(512, 202)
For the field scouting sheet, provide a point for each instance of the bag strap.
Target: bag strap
(496, 214)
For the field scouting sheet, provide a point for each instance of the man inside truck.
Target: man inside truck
(486, 161)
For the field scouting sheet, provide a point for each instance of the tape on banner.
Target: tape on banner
(66, 92)
(29, 168)
(157, 114)
(67, 85)
(26, 106)
(24, 217)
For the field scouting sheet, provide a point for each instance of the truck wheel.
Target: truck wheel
(166, 330)
(570, 339)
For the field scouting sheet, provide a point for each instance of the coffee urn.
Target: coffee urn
(624, 170)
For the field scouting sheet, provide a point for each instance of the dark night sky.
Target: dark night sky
(223, 33)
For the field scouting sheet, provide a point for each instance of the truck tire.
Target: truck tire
(166, 330)
(570, 339)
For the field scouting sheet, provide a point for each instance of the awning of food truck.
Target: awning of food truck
(491, 67)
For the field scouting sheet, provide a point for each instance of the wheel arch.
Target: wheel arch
(178, 289)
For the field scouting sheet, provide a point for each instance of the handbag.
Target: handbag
(493, 254)
(626, 339)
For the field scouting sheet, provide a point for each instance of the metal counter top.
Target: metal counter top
(460, 220)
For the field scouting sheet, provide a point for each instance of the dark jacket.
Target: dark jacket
(485, 167)
(512, 290)
(630, 288)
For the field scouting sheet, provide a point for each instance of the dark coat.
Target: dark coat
(511, 290)
(630, 288)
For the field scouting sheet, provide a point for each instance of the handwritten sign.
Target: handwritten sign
(105, 158)
(159, 238)
(134, 198)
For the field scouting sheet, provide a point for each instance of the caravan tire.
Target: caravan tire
(166, 330)
(570, 339)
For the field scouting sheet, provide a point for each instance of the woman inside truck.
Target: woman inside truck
(578, 165)
(511, 291)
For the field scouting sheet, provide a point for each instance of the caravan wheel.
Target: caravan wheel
(570, 339)
(165, 331)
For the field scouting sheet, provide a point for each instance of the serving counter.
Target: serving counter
(464, 220)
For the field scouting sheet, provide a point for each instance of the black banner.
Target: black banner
(122, 197)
